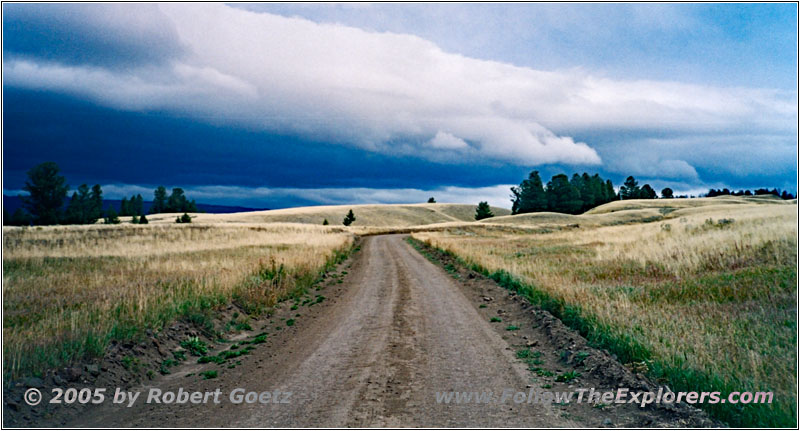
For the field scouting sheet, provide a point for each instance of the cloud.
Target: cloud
(390, 93)
(446, 141)
(106, 35)
(274, 197)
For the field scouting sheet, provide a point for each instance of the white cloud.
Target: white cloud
(446, 141)
(266, 196)
(395, 93)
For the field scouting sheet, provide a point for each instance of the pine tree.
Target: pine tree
(562, 196)
(96, 204)
(483, 211)
(134, 219)
(666, 193)
(325, 222)
(647, 192)
(159, 201)
(124, 208)
(611, 194)
(46, 193)
(143, 219)
(349, 218)
(138, 206)
(431, 200)
(529, 196)
(630, 189)
(177, 201)
(73, 213)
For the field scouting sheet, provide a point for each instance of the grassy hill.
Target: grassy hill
(399, 215)
(639, 211)
(697, 293)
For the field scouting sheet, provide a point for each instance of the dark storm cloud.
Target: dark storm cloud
(203, 96)
(99, 145)
(107, 35)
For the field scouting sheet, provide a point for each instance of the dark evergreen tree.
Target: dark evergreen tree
(562, 196)
(431, 200)
(325, 222)
(630, 189)
(186, 218)
(483, 211)
(73, 213)
(666, 193)
(138, 205)
(647, 192)
(177, 201)
(96, 203)
(159, 201)
(143, 219)
(79, 210)
(611, 194)
(349, 218)
(46, 193)
(124, 207)
(529, 196)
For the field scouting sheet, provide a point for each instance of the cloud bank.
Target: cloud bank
(383, 92)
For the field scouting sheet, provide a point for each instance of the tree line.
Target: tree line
(583, 192)
(562, 194)
(47, 193)
(757, 192)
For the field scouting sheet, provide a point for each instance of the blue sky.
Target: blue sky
(275, 105)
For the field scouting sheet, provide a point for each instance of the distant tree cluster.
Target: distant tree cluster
(562, 194)
(176, 202)
(758, 192)
(47, 193)
(631, 190)
(185, 218)
(85, 206)
(133, 207)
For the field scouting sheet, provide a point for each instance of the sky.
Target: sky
(279, 105)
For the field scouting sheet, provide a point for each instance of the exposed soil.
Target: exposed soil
(392, 330)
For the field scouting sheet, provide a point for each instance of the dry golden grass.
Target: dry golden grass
(68, 290)
(709, 302)
(687, 203)
(366, 215)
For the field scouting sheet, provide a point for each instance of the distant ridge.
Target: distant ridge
(11, 203)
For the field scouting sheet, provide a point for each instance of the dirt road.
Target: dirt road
(399, 330)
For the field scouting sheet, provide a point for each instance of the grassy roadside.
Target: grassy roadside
(69, 292)
(710, 307)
